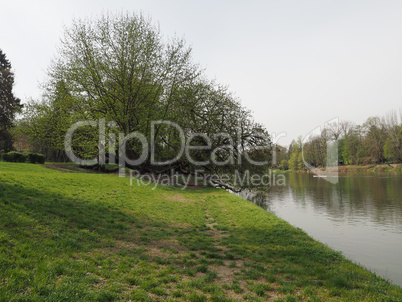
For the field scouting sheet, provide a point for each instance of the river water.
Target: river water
(361, 216)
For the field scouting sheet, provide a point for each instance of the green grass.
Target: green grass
(93, 237)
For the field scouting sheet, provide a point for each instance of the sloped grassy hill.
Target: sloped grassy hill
(93, 237)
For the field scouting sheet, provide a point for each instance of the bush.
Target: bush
(15, 157)
(34, 158)
(18, 157)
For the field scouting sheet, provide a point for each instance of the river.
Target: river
(361, 216)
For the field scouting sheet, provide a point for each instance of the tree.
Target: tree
(296, 159)
(284, 165)
(315, 151)
(44, 125)
(9, 104)
(118, 68)
(280, 156)
(343, 154)
(375, 140)
(355, 147)
(393, 146)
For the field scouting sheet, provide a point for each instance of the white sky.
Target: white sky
(295, 64)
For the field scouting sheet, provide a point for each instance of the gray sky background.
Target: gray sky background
(295, 64)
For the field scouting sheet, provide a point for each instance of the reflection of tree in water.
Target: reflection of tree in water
(260, 198)
(375, 197)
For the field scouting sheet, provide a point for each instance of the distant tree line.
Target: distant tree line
(376, 141)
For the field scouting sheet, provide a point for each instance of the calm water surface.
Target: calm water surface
(361, 216)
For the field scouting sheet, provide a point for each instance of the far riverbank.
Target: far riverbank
(345, 169)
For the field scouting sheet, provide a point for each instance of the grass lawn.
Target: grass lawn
(93, 237)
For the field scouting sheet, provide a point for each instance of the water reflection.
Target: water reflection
(360, 216)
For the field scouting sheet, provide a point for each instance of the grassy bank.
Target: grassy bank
(93, 237)
(383, 168)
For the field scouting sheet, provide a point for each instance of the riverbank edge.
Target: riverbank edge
(345, 169)
(247, 252)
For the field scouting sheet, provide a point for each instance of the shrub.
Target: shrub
(34, 158)
(16, 157)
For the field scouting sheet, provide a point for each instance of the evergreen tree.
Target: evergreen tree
(9, 104)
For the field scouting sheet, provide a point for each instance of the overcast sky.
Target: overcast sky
(295, 64)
